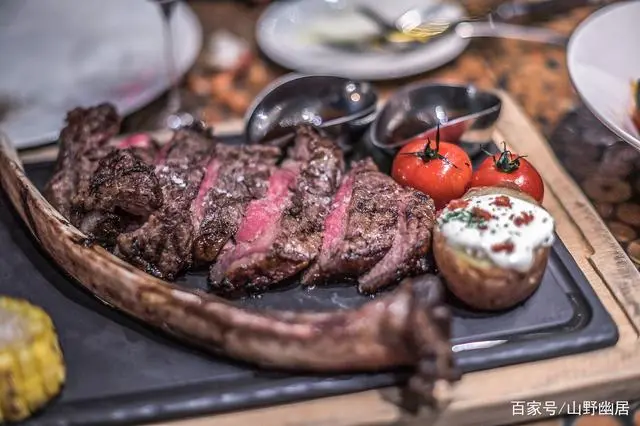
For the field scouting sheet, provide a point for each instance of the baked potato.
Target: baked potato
(492, 246)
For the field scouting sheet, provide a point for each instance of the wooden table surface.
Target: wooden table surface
(535, 75)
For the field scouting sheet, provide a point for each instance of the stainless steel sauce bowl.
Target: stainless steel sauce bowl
(344, 108)
(466, 115)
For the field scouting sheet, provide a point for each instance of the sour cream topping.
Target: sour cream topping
(506, 230)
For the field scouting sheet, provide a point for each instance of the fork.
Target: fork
(480, 26)
(474, 29)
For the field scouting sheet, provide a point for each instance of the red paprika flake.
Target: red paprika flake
(457, 204)
(481, 213)
(502, 201)
(524, 219)
(506, 247)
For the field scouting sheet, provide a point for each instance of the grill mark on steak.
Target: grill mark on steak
(122, 193)
(83, 141)
(162, 245)
(407, 257)
(303, 222)
(362, 233)
(124, 181)
(256, 232)
(290, 237)
(335, 224)
(235, 177)
(166, 207)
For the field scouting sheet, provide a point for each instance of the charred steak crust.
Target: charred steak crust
(256, 234)
(294, 238)
(236, 176)
(163, 245)
(193, 199)
(303, 220)
(412, 242)
(83, 141)
(123, 192)
(368, 226)
(122, 180)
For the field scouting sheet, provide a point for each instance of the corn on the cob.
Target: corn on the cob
(32, 369)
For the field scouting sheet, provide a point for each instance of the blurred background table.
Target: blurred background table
(534, 74)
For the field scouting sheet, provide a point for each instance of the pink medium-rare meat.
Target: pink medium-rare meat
(257, 230)
(409, 327)
(102, 186)
(138, 140)
(295, 229)
(303, 220)
(335, 223)
(142, 144)
(208, 182)
(238, 175)
(262, 215)
(205, 197)
(412, 242)
(79, 189)
(162, 246)
(366, 227)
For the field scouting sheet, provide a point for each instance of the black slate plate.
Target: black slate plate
(122, 372)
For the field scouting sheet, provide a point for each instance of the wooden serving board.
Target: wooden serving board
(485, 398)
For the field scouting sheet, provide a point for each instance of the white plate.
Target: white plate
(603, 58)
(60, 54)
(289, 33)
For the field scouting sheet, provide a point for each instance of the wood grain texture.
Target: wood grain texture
(484, 398)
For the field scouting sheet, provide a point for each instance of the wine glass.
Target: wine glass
(173, 115)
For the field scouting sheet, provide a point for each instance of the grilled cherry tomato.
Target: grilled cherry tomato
(441, 170)
(507, 168)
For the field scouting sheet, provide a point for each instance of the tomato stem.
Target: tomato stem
(428, 153)
(504, 162)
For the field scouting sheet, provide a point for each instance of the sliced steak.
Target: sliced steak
(412, 242)
(123, 181)
(360, 228)
(234, 177)
(163, 245)
(83, 142)
(104, 227)
(282, 233)
(143, 145)
(123, 192)
(256, 233)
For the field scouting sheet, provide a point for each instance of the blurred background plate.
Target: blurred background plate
(295, 33)
(57, 55)
(603, 59)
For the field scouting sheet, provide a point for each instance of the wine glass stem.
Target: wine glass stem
(173, 101)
